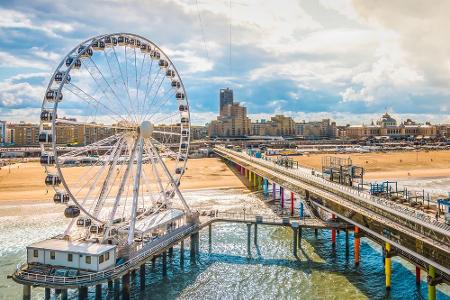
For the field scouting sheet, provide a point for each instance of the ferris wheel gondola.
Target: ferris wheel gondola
(109, 97)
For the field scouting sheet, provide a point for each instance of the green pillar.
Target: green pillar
(431, 285)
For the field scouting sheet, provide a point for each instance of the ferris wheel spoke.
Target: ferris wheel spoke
(167, 132)
(149, 89)
(86, 97)
(98, 77)
(106, 184)
(156, 94)
(123, 184)
(137, 180)
(139, 82)
(122, 76)
(169, 94)
(87, 124)
(169, 176)
(93, 146)
(165, 117)
(108, 84)
(164, 149)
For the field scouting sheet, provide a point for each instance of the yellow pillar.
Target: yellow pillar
(254, 180)
(387, 266)
(431, 287)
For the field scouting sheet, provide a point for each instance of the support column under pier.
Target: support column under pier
(116, 288)
(431, 284)
(333, 232)
(210, 237)
(249, 233)
(126, 286)
(98, 292)
(47, 293)
(282, 196)
(255, 238)
(292, 203)
(387, 266)
(83, 293)
(64, 295)
(142, 276)
(356, 246)
(164, 263)
(26, 292)
(417, 275)
(194, 245)
(295, 238)
(182, 252)
(299, 237)
(274, 190)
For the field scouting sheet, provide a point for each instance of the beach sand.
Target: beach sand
(390, 165)
(25, 181)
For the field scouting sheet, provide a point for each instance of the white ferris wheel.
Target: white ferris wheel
(114, 134)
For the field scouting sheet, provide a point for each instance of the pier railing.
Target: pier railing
(101, 276)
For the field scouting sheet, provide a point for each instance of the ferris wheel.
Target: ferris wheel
(114, 133)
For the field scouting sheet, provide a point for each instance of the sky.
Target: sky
(340, 59)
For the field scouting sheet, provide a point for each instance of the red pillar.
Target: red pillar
(333, 231)
(292, 203)
(357, 243)
(417, 275)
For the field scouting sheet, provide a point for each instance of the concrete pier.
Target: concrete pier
(417, 275)
(356, 246)
(26, 294)
(210, 237)
(299, 237)
(116, 288)
(195, 239)
(170, 252)
(47, 293)
(255, 237)
(431, 284)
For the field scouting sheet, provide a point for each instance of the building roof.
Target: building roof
(80, 247)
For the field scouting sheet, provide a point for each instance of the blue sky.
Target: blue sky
(347, 60)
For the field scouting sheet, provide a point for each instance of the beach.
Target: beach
(391, 165)
(25, 181)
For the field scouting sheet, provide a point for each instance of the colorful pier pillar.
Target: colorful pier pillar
(387, 266)
(333, 231)
(417, 275)
(274, 190)
(356, 246)
(266, 186)
(292, 203)
(282, 196)
(301, 210)
(255, 180)
(431, 284)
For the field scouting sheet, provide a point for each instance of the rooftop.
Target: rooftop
(80, 247)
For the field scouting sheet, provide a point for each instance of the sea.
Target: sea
(224, 270)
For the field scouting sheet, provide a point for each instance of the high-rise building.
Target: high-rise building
(226, 98)
(2, 132)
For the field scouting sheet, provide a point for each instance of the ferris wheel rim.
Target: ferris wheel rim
(88, 43)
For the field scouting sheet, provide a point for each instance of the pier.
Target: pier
(402, 231)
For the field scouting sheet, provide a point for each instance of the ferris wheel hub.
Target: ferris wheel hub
(146, 129)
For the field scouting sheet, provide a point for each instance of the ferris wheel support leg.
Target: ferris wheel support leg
(137, 179)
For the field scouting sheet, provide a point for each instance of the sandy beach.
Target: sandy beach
(399, 165)
(25, 181)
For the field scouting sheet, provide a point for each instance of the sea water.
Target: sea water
(224, 271)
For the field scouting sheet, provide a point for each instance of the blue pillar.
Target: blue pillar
(266, 186)
(301, 210)
(274, 190)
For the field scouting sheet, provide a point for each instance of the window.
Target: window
(69, 257)
(88, 259)
(35, 253)
(107, 256)
(101, 259)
